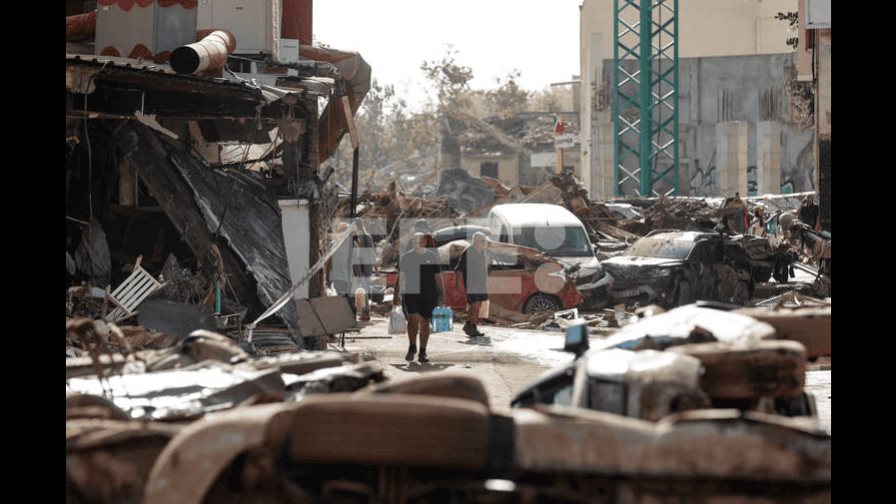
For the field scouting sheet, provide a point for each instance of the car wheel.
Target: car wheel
(763, 274)
(683, 295)
(541, 302)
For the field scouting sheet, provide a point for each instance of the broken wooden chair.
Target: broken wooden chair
(127, 296)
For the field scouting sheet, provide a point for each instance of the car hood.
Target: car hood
(628, 262)
(626, 269)
(588, 265)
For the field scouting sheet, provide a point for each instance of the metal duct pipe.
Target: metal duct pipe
(210, 53)
(80, 27)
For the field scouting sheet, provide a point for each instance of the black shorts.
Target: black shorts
(475, 298)
(415, 303)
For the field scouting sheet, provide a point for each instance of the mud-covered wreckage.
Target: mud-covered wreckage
(198, 165)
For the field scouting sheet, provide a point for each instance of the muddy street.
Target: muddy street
(508, 359)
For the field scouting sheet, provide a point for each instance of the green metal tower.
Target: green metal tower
(645, 97)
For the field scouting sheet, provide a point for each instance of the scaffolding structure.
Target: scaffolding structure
(645, 97)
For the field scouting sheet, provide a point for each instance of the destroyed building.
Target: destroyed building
(193, 151)
(515, 150)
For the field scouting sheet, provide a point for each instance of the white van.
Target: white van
(558, 233)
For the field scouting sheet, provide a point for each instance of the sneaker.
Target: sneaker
(411, 351)
(422, 357)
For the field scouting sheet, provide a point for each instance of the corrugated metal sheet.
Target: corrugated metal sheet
(148, 70)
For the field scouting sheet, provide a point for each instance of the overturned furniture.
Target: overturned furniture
(325, 316)
(133, 291)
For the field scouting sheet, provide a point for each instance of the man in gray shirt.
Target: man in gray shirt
(473, 267)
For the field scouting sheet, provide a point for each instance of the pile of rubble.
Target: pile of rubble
(86, 337)
(203, 421)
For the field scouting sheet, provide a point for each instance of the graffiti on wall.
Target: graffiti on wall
(700, 177)
(702, 182)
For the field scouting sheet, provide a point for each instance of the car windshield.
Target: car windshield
(663, 247)
(556, 241)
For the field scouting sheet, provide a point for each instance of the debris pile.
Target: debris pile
(464, 193)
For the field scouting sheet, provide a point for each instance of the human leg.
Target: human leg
(424, 337)
(475, 303)
(413, 327)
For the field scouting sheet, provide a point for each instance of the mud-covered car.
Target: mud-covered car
(685, 359)
(520, 279)
(674, 268)
(763, 257)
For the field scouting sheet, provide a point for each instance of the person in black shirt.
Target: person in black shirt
(473, 267)
(419, 287)
(809, 213)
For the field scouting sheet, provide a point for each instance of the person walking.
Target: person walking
(472, 270)
(364, 259)
(419, 290)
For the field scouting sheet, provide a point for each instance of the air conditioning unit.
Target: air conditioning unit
(149, 30)
(248, 20)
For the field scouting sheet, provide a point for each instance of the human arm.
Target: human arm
(440, 283)
(460, 270)
(396, 293)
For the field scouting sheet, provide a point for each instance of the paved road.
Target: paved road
(505, 361)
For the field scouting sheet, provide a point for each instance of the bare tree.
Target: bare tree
(509, 98)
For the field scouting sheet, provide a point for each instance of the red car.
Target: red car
(520, 279)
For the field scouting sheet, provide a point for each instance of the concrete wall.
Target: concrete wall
(705, 27)
(823, 95)
(823, 122)
(731, 150)
(768, 157)
(740, 88)
(712, 90)
(591, 78)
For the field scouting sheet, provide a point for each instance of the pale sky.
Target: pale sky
(539, 37)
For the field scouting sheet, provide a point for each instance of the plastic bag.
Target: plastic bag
(483, 309)
(397, 323)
